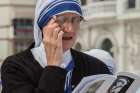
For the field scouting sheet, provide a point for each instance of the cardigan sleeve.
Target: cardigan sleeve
(14, 79)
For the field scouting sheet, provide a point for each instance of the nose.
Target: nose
(68, 27)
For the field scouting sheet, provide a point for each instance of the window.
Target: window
(131, 3)
(23, 33)
(83, 2)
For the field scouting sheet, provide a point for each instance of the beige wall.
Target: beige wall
(9, 10)
(4, 2)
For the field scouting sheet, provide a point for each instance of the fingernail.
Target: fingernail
(54, 17)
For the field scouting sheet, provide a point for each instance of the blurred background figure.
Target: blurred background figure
(105, 57)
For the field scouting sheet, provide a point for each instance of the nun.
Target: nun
(105, 57)
(50, 65)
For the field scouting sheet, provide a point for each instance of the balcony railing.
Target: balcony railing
(100, 9)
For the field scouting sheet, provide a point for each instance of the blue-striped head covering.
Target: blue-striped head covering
(46, 9)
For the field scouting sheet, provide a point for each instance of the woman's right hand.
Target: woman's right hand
(52, 39)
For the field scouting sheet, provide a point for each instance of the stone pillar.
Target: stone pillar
(121, 7)
(122, 46)
(6, 29)
(138, 4)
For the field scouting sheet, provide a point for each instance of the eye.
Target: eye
(76, 19)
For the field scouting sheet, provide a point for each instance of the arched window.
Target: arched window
(107, 45)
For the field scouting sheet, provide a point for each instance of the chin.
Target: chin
(66, 46)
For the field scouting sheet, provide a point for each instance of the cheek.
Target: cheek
(77, 31)
(76, 28)
(75, 35)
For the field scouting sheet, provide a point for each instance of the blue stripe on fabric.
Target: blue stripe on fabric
(56, 4)
(69, 68)
(57, 9)
(49, 6)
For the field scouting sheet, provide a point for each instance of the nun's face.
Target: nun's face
(70, 24)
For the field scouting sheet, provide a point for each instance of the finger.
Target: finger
(55, 28)
(53, 20)
(47, 30)
(47, 33)
(54, 40)
(46, 41)
(55, 32)
(53, 43)
(59, 49)
(54, 25)
(59, 39)
(60, 35)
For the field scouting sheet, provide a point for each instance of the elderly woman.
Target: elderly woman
(50, 65)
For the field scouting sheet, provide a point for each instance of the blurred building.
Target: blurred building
(16, 26)
(112, 25)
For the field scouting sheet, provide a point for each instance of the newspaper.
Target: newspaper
(123, 82)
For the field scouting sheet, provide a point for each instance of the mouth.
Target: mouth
(67, 38)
